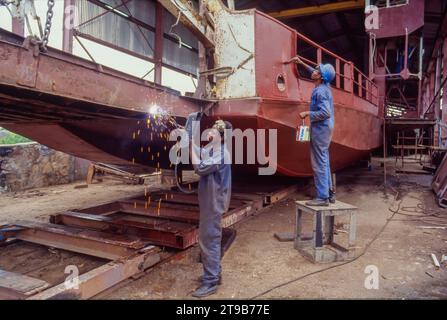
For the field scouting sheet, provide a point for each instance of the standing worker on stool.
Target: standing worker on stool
(214, 200)
(321, 113)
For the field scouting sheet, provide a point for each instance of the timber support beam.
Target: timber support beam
(321, 9)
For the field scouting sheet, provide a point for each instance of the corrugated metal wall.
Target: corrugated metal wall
(120, 32)
(182, 58)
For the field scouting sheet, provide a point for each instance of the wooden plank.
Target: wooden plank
(18, 286)
(435, 261)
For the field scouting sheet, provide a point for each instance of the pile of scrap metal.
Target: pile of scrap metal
(439, 183)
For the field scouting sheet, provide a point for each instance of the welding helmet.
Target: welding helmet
(327, 72)
(220, 126)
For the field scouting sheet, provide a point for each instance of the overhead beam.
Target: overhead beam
(314, 10)
(190, 18)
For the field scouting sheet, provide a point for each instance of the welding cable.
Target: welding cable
(171, 31)
(179, 186)
(175, 35)
(394, 212)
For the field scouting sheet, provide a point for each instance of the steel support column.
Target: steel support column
(68, 25)
(202, 80)
(158, 55)
(437, 82)
(18, 26)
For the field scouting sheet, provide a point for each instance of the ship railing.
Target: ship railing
(348, 77)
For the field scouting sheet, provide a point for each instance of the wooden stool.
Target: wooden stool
(320, 247)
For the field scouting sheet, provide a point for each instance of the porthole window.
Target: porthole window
(281, 82)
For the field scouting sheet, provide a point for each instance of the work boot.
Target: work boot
(205, 290)
(318, 203)
(331, 196)
(219, 282)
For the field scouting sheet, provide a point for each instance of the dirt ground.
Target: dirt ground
(257, 262)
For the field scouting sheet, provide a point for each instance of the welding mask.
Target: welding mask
(195, 116)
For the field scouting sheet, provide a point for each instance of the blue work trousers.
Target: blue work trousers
(320, 140)
(210, 238)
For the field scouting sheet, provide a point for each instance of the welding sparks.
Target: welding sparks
(155, 110)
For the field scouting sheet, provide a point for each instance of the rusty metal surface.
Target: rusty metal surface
(173, 224)
(125, 231)
(90, 242)
(168, 218)
(64, 76)
(156, 231)
(102, 278)
(76, 106)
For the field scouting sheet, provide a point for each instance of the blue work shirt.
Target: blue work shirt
(322, 106)
(215, 181)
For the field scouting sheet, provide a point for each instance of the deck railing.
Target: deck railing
(348, 77)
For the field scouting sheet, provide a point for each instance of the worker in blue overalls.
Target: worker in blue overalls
(214, 169)
(321, 113)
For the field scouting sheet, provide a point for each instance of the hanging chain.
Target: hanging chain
(5, 2)
(46, 33)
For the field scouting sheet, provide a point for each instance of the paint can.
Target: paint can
(302, 133)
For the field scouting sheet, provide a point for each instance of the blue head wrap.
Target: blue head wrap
(327, 72)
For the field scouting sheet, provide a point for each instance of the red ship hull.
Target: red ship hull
(75, 106)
